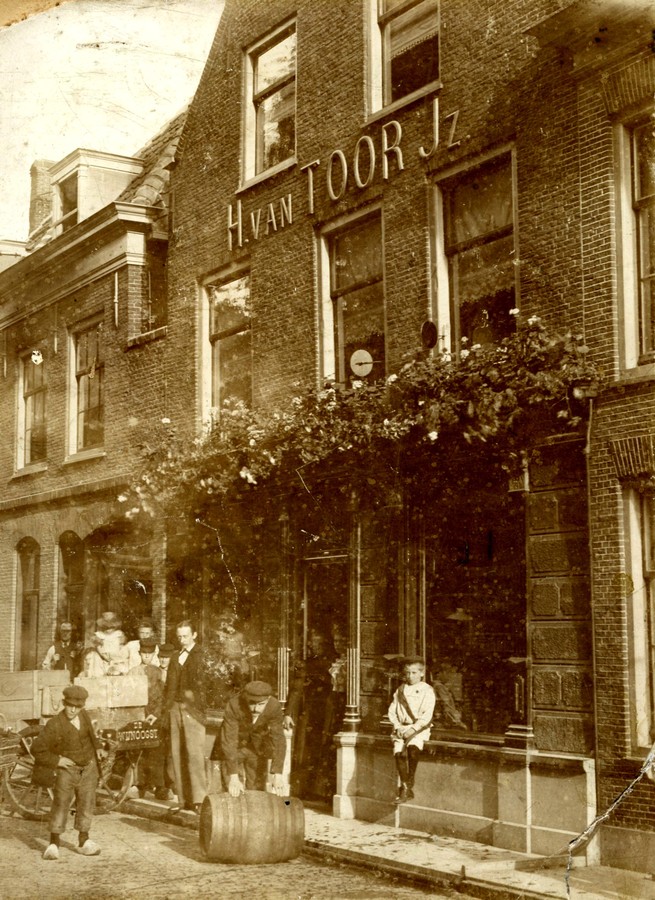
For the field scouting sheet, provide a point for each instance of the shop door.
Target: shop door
(317, 695)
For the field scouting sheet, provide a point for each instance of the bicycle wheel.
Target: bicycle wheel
(29, 800)
(117, 775)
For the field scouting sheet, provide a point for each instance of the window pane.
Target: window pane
(276, 63)
(485, 289)
(362, 320)
(647, 242)
(648, 314)
(357, 256)
(413, 43)
(481, 205)
(645, 161)
(229, 304)
(235, 363)
(276, 127)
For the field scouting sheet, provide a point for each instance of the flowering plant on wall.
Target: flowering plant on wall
(508, 396)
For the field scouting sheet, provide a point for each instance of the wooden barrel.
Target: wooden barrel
(256, 827)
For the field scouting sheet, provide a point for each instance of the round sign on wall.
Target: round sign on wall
(361, 362)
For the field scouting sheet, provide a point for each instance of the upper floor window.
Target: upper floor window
(32, 418)
(643, 205)
(88, 399)
(230, 341)
(476, 255)
(405, 48)
(355, 314)
(155, 307)
(270, 102)
(640, 525)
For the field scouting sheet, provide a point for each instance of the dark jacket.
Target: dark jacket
(60, 738)
(265, 738)
(186, 684)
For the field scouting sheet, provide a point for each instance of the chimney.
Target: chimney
(41, 193)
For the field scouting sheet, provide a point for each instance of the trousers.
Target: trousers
(75, 782)
(188, 755)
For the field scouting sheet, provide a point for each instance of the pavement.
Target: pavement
(465, 867)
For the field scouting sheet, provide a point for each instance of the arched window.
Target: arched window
(27, 603)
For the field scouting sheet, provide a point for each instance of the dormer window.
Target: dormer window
(68, 201)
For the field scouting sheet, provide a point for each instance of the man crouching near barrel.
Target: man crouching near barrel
(252, 734)
(65, 754)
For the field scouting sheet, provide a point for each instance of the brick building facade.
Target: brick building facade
(83, 322)
(355, 183)
(331, 195)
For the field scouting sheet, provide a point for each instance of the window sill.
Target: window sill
(269, 173)
(637, 375)
(84, 455)
(433, 88)
(147, 337)
(31, 469)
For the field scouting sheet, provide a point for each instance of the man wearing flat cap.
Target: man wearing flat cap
(65, 755)
(252, 734)
(150, 775)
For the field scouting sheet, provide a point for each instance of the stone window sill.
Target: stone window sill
(139, 340)
(84, 456)
(31, 469)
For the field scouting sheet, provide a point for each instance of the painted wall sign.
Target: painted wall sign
(339, 172)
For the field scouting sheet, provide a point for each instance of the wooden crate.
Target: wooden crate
(22, 693)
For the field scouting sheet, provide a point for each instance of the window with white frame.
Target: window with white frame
(88, 396)
(405, 49)
(639, 510)
(475, 255)
(270, 102)
(355, 318)
(32, 446)
(230, 340)
(638, 233)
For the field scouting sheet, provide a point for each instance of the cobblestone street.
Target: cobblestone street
(141, 858)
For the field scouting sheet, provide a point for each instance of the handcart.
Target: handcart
(116, 705)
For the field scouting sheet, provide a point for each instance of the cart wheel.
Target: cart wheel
(29, 800)
(118, 775)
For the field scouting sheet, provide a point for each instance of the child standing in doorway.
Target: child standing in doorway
(410, 713)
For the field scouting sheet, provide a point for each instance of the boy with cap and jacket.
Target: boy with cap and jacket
(65, 755)
(252, 733)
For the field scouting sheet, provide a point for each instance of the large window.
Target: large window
(477, 231)
(32, 440)
(640, 526)
(230, 340)
(88, 388)
(27, 603)
(270, 102)
(357, 302)
(406, 49)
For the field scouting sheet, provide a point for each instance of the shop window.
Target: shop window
(32, 413)
(640, 527)
(230, 341)
(27, 603)
(355, 317)
(270, 102)
(87, 385)
(476, 253)
(637, 245)
(475, 604)
(405, 46)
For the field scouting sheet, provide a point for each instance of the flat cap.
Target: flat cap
(75, 694)
(166, 650)
(258, 690)
(147, 645)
